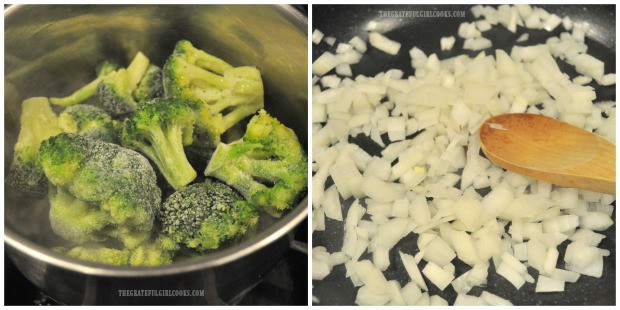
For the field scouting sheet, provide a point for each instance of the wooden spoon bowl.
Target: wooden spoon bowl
(547, 149)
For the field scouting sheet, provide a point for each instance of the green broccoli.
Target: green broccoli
(89, 121)
(203, 216)
(267, 166)
(75, 219)
(114, 91)
(100, 255)
(89, 89)
(150, 254)
(38, 122)
(150, 87)
(107, 67)
(144, 255)
(104, 190)
(160, 130)
(227, 94)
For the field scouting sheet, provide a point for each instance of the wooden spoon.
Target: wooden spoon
(546, 149)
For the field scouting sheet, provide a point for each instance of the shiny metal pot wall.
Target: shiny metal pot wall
(52, 50)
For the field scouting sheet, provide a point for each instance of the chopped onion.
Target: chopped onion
(546, 284)
(330, 40)
(317, 36)
(415, 184)
(324, 63)
(412, 269)
(382, 43)
(447, 43)
(437, 275)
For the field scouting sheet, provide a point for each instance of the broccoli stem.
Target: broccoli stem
(240, 112)
(267, 169)
(206, 61)
(80, 95)
(167, 152)
(197, 76)
(137, 68)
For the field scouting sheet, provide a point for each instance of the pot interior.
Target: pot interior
(52, 50)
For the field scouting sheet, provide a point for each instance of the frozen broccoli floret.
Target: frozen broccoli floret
(203, 216)
(267, 166)
(106, 67)
(115, 89)
(144, 255)
(90, 89)
(152, 254)
(227, 94)
(89, 121)
(160, 130)
(38, 122)
(75, 219)
(102, 255)
(150, 87)
(116, 188)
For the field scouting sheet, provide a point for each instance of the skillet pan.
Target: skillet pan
(346, 21)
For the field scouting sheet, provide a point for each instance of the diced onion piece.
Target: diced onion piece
(320, 269)
(392, 231)
(424, 300)
(317, 36)
(564, 275)
(437, 275)
(483, 25)
(551, 259)
(343, 47)
(366, 296)
(330, 81)
(350, 57)
(438, 252)
(607, 79)
(511, 275)
(381, 191)
(384, 44)
(411, 293)
(551, 23)
(331, 204)
(580, 255)
(523, 37)
(477, 44)
(447, 43)
(325, 63)
(587, 237)
(536, 252)
(468, 31)
(358, 44)
(596, 221)
(344, 70)
(371, 276)
(468, 300)
(513, 263)
(330, 40)
(465, 247)
(412, 269)
(589, 66)
(546, 284)
(436, 300)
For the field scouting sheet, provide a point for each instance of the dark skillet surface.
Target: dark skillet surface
(344, 22)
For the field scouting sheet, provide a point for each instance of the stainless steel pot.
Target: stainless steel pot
(52, 50)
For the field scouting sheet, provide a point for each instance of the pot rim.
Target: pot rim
(276, 231)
